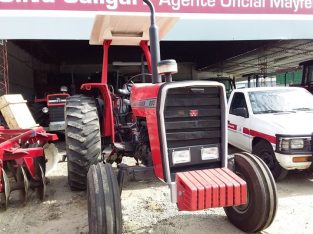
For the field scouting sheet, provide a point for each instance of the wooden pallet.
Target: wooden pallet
(16, 114)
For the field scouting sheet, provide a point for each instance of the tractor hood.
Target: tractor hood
(298, 123)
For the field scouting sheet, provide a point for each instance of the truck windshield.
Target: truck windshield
(275, 101)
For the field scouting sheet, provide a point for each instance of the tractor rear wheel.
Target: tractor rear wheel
(104, 201)
(82, 137)
(260, 210)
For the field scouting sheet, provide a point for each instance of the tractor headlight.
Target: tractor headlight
(297, 144)
(45, 110)
(181, 156)
(209, 153)
(63, 88)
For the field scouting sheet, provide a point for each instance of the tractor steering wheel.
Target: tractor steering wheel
(129, 85)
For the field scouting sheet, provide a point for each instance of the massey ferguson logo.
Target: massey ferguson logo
(193, 113)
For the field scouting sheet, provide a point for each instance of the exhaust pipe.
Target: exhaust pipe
(154, 44)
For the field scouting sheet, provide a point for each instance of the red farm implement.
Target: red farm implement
(175, 129)
(22, 160)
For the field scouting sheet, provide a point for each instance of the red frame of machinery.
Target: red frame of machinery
(108, 120)
(10, 147)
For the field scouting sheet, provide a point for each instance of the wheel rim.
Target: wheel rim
(243, 208)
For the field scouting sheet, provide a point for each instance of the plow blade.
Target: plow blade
(22, 184)
(4, 196)
(202, 189)
(51, 154)
(41, 189)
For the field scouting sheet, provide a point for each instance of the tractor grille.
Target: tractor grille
(56, 113)
(192, 116)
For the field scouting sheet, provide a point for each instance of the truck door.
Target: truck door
(238, 121)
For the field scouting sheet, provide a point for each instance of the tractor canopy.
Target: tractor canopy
(127, 30)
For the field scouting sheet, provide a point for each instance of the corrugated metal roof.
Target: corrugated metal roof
(270, 59)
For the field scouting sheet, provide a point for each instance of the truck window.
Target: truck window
(238, 101)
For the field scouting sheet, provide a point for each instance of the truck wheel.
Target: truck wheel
(104, 201)
(265, 151)
(260, 210)
(82, 137)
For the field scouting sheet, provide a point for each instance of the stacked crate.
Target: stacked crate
(15, 112)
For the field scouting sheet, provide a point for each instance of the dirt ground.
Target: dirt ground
(147, 209)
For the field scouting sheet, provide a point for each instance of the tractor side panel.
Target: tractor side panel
(153, 131)
(144, 103)
(143, 97)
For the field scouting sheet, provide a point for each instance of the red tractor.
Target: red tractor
(49, 111)
(176, 128)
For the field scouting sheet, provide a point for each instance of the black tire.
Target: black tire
(82, 137)
(269, 177)
(265, 151)
(40, 118)
(104, 201)
(260, 210)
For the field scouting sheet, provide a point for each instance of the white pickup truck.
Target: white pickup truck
(275, 123)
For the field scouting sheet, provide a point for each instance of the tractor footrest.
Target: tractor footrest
(202, 189)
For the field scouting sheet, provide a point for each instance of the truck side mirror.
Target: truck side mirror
(241, 111)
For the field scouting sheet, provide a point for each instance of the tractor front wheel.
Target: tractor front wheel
(104, 201)
(260, 210)
(82, 137)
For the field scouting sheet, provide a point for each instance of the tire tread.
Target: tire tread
(104, 203)
(261, 212)
(83, 139)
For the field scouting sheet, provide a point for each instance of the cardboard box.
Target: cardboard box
(15, 112)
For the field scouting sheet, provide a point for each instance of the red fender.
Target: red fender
(108, 121)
